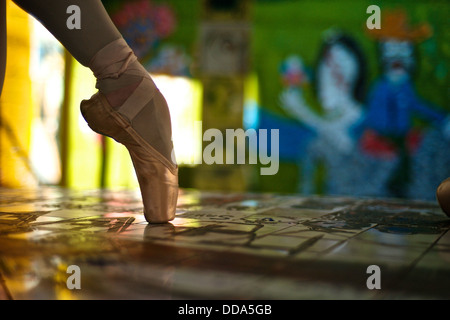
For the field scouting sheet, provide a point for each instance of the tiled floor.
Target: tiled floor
(220, 246)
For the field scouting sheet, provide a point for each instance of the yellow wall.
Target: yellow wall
(16, 109)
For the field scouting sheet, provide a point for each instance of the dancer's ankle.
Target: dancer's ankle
(117, 97)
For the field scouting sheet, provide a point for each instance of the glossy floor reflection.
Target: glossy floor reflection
(220, 246)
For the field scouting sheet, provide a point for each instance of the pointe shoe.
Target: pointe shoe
(443, 196)
(157, 176)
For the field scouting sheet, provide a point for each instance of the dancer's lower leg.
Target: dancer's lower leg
(97, 29)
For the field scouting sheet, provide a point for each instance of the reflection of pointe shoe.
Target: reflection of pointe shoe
(157, 176)
(443, 196)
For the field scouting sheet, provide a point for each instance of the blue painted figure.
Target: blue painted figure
(393, 102)
(392, 105)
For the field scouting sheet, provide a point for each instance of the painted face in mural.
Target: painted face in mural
(397, 57)
(336, 77)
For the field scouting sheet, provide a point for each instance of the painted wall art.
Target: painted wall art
(362, 123)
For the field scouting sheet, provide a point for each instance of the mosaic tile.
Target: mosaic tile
(220, 245)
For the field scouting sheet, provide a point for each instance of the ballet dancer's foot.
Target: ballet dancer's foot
(130, 109)
(443, 196)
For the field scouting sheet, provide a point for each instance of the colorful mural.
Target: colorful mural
(360, 132)
(148, 27)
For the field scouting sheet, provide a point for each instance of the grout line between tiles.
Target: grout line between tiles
(410, 268)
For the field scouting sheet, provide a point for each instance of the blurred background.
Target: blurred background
(359, 111)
